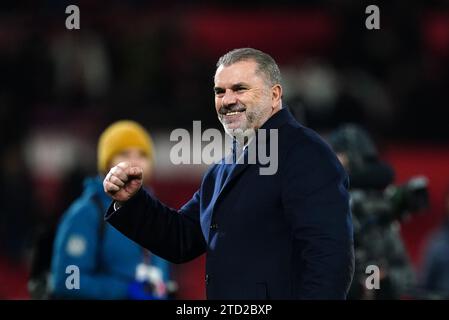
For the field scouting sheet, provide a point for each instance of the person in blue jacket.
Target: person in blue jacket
(108, 264)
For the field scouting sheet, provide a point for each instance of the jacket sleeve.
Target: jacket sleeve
(316, 203)
(76, 244)
(173, 235)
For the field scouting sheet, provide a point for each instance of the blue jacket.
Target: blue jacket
(78, 243)
(282, 236)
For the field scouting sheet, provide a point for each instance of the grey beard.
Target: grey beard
(242, 136)
(240, 133)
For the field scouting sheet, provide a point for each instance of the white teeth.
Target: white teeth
(232, 113)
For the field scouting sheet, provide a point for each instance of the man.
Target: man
(282, 236)
(110, 265)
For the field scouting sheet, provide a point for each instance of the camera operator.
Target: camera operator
(377, 208)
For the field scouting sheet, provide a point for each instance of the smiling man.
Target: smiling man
(282, 236)
(247, 93)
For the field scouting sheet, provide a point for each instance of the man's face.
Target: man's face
(243, 97)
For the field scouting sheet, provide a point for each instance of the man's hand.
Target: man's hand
(123, 181)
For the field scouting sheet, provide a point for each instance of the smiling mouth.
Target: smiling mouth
(233, 113)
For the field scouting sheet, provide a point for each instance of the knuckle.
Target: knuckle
(123, 165)
(111, 185)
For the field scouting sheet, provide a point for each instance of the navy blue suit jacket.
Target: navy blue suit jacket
(282, 236)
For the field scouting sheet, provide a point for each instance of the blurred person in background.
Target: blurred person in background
(435, 273)
(377, 207)
(111, 266)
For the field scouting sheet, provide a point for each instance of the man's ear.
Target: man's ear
(276, 95)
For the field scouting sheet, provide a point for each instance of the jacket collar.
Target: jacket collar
(278, 119)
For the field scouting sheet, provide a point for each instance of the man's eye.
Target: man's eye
(241, 89)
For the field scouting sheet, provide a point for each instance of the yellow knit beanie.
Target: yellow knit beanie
(119, 136)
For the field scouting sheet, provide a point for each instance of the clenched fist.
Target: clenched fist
(123, 181)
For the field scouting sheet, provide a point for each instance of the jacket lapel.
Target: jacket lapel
(275, 122)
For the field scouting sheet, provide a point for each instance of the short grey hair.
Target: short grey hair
(265, 62)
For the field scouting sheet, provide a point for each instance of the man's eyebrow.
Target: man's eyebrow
(239, 85)
(234, 87)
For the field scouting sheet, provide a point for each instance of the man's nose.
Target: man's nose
(229, 98)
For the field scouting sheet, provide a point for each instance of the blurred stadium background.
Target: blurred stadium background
(153, 61)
